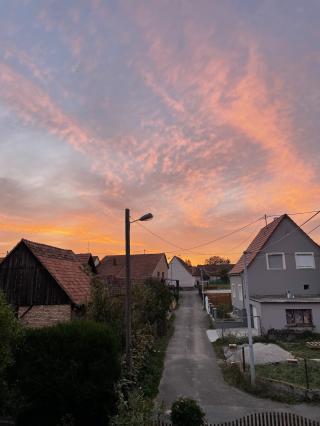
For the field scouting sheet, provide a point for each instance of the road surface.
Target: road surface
(191, 370)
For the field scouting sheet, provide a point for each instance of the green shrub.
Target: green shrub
(10, 333)
(67, 372)
(187, 412)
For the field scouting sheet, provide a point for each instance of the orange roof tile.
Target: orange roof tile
(257, 244)
(142, 265)
(64, 266)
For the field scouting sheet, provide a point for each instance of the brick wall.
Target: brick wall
(43, 315)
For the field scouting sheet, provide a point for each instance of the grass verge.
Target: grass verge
(150, 378)
(294, 374)
(234, 377)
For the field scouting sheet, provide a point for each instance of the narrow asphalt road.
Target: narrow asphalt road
(191, 370)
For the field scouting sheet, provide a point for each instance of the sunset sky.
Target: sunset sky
(205, 113)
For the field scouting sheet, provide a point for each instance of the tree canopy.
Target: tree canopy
(216, 260)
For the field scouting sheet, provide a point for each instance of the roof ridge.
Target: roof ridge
(47, 245)
(270, 227)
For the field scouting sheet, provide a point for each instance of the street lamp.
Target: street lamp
(145, 217)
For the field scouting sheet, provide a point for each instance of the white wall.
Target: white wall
(161, 270)
(178, 272)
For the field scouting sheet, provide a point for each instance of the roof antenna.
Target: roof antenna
(265, 218)
(88, 246)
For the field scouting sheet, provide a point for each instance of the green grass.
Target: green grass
(152, 372)
(299, 349)
(294, 374)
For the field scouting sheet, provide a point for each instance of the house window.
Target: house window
(276, 261)
(233, 291)
(240, 291)
(305, 261)
(306, 287)
(299, 317)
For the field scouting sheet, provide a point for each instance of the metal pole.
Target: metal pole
(128, 291)
(306, 372)
(249, 325)
(203, 304)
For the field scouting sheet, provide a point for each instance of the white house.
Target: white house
(180, 271)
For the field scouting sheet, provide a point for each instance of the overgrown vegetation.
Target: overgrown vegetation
(151, 331)
(187, 412)
(294, 374)
(67, 371)
(10, 336)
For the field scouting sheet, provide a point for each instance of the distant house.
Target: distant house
(142, 266)
(216, 272)
(284, 278)
(44, 284)
(181, 272)
(86, 259)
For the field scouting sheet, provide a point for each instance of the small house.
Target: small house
(180, 272)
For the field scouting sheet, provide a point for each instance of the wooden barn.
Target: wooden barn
(44, 284)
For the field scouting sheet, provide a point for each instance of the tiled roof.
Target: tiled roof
(64, 266)
(142, 265)
(83, 258)
(257, 244)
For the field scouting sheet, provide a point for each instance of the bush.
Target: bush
(106, 309)
(67, 372)
(10, 333)
(187, 412)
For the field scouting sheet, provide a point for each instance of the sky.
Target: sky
(204, 113)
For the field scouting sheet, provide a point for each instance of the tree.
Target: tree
(216, 260)
(188, 262)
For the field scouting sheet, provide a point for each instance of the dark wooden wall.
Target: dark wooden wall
(26, 282)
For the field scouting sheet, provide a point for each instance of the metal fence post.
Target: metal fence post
(306, 372)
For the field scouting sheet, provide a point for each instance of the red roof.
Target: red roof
(83, 257)
(64, 266)
(257, 244)
(142, 265)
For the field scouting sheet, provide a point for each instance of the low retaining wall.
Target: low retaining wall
(297, 391)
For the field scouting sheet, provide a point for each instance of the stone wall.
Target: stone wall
(43, 315)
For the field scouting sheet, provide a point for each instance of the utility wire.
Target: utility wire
(287, 235)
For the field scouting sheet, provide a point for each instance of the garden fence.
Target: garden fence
(262, 419)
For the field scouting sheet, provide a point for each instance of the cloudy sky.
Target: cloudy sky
(205, 113)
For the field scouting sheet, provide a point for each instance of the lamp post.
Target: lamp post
(145, 217)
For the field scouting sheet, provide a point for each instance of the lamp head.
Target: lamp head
(145, 217)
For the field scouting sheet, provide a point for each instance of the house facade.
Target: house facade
(44, 284)
(143, 266)
(283, 265)
(180, 271)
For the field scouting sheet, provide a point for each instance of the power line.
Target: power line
(292, 214)
(159, 236)
(287, 235)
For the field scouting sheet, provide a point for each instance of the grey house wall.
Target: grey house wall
(264, 282)
(273, 315)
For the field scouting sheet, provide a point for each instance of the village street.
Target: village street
(191, 370)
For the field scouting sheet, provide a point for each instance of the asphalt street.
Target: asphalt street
(191, 370)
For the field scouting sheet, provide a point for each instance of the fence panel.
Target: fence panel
(261, 419)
